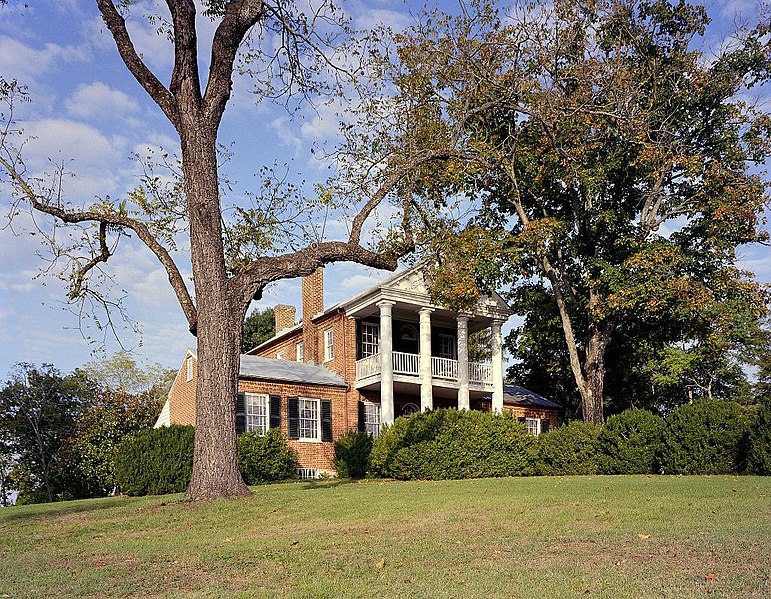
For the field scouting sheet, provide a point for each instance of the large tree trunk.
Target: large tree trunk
(218, 328)
(590, 384)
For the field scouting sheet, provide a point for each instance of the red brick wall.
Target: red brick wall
(182, 395)
(310, 454)
(531, 412)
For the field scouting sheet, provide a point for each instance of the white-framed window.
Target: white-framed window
(533, 426)
(372, 418)
(257, 406)
(281, 355)
(310, 421)
(189, 367)
(329, 345)
(299, 350)
(370, 339)
(448, 346)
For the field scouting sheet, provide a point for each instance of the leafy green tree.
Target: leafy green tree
(89, 455)
(38, 411)
(122, 374)
(616, 164)
(259, 326)
(6, 466)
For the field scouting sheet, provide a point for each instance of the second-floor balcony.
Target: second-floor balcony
(408, 365)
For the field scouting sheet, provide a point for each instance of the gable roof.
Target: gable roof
(272, 369)
(521, 396)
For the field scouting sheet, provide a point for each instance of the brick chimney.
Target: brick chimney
(284, 316)
(313, 304)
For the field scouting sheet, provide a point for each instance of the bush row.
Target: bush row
(159, 461)
(706, 437)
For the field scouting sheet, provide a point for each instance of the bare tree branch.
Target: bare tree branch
(157, 91)
(140, 228)
(240, 16)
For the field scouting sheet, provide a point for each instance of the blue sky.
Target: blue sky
(88, 111)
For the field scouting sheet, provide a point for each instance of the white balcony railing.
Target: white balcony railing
(409, 364)
(444, 368)
(480, 373)
(406, 363)
(367, 367)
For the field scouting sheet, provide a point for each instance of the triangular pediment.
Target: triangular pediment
(412, 280)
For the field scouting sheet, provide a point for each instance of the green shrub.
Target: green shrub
(447, 444)
(569, 449)
(628, 443)
(155, 461)
(266, 458)
(352, 454)
(705, 437)
(405, 432)
(759, 442)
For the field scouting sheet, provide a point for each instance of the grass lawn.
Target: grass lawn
(593, 536)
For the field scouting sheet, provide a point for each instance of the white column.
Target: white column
(463, 399)
(497, 348)
(426, 392)
(386, 364)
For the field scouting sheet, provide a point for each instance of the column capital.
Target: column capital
(385, 303)
(463, 316)
(426, 310)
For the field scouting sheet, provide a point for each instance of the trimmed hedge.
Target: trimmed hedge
(569, 449)
(448, 444)
(266, 458)
(628, 443)
(352, 452)
(759, 442)
(705, 437)
(155, 461)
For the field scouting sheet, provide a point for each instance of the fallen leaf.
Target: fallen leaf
(295, 543)
(380, 565)
(407, 580)
(710, 577)
(643, 536)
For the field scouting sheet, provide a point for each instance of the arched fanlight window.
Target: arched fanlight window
(408, 332)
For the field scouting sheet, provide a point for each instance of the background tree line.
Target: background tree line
(59, 433)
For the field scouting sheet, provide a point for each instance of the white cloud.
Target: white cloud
(371, 18)
(26, 64)
(98, 100)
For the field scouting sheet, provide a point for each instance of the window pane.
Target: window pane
(256, 413)
(309, 418)
(533, 425)
(372, 418)
(370, 334)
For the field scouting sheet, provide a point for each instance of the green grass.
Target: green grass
(595, 536)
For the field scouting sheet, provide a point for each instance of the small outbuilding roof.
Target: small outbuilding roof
(272, 369)
(524, 397)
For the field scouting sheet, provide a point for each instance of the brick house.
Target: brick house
(384, 353)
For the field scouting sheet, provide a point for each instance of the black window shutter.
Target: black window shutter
(326, 420)
(521, 419)
(275, 411)
(362, 428)
(358, 339)
(545, 425)
(240, 413)
(293, 417)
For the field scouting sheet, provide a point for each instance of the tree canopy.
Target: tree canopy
(616, 167)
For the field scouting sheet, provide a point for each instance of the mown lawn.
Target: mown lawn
(531, 537)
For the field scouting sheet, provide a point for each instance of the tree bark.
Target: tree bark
(220, 314)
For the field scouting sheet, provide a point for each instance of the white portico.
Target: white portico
(411, 352)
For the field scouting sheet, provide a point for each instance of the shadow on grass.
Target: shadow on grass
(41, 511)
(328, 483)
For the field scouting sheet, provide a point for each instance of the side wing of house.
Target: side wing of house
(180, 403)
